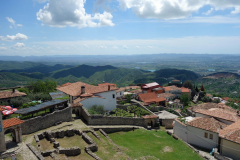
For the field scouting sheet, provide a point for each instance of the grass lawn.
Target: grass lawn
(153, 145)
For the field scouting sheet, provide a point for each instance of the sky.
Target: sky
(119, 27)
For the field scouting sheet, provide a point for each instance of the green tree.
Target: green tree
(188, 84)
(185, 99)
(95, 109)
(128, 97)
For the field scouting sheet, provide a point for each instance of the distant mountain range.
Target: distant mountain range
(89, 74)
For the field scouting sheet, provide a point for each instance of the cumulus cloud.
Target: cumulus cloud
(18, 46)
(13, 22)
(62, 13)
(3, 48)
(103, 47)
(208, 12)
(125, 47)
(137, 47)
(150, 47)
(17, 37)
(102, 4)
(115, 47)
(174, 9)
(86, 46)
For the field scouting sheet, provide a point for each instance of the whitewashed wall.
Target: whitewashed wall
(180, 131)
(120, 94)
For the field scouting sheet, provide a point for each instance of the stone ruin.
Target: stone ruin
(74, 151)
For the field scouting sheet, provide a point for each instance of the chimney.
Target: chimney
(13, 90)
(103, 82)
(82, 89)
(108, 87)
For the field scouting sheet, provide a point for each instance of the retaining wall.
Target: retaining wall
(42, 122)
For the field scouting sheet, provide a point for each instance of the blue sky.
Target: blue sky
(93, 27)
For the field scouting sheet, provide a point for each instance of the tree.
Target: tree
(196, 89)
(185, 99)
(128, 97)
(42, 86)
(95, 109)
(188, 84)
(216, 100)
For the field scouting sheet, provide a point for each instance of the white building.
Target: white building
(89, 95)
(230, 141)
(202, 132)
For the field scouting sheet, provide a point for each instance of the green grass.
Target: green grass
(153, 145)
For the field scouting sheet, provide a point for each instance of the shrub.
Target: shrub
(25, 90)
(95, 109)
(123, 102)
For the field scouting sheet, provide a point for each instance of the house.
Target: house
(89, 95)
(5, 96)
(151, 98)
(175, 82)
(186, 91)
(167, 96)
(199, 131)
(166, 119)
(173, 90)
(131, 89)
(120, 92)
(106, 84)
(151, 87)
(230, 141)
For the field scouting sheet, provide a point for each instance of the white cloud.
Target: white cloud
(13, 22)
(86, 46)
(125, 47)
(137, 47)
(174, 9)
(103, 47)
(209, 12)
(3, 44)
(18, 46)
(3, 48)
(62, 13)
(17, 37)
(115, 47)
(150, 47)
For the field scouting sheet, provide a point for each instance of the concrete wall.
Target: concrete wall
(180, 130)
(42, 122)
(230, 149)
(196, 137)
(120, 94)
(2, 136)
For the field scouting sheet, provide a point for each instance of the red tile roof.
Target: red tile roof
(167, 89)
(231, 132)
(11, 94)
(185, 90)
(209, 124)
(170, 88)
(12, 122)
(74, 89)
(207, 106)
(220, 113)
(226, 98)
(102, 84)
(76, 105)
(66, 84)
(150, 97)
(150, 116)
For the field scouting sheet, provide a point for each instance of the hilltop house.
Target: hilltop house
(151, 87)
(151, 98)
(5, 96)
(89, 95)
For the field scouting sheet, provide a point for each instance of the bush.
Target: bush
(95, 109)
(24, 90)
(123, 102)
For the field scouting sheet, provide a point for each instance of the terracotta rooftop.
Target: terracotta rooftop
(12, 122)
(66, 84)
(74, 89)
(76, 105)
(226, 98)
(207, 106)
(150, 97)
(150, 116)
(136, 91)
(166, 95)
(220, 113)
(209, 124)
(11, 94)
(231, 132)
(185, 90)
(170, 88)
(104, 84)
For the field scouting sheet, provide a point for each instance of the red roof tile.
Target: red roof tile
(11, 94)
(104, 84)
(166, 95)
(12, 122)
(231, 132)
(209, 124)
(74, 89)
(66, 84)
(226, 98)
(150, 116)
(220, 113)
(185, 90)
(207, 106)
(150, 97)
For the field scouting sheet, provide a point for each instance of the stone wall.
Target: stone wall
(111, 120)
(116, 129)
(42, 122)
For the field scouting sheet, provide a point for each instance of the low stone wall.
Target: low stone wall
(74, 151)
(35, 152)
(111, 120)
(168, 123)
(41, 122)
(116, 129)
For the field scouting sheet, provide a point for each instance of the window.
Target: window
(206, 135)
(120, 93)
(211, 136)
(113, 95)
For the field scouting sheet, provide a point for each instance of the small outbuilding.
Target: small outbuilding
(166, 119)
